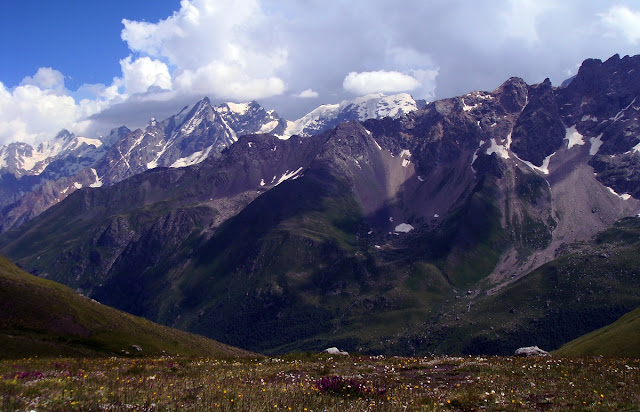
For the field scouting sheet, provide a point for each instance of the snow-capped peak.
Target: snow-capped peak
(372, 106)
(238, 108)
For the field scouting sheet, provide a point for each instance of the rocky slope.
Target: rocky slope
(460, 227)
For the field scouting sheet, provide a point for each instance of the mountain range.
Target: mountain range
(33, 179)
(473, 224)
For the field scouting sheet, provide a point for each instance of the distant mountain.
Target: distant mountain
(24, 169)
(41, 178)
(39, 317)
(21, 159)
(184, 139)
(476, 224)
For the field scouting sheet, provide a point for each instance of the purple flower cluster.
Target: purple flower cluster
(31, 375)
(337, 385)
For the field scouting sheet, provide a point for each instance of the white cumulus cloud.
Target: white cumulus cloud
(141, 74)
(40, 106)
(32, 114)
(379, 82)
(46, 78)
(624, 20)
(307, 94)
(215, 47)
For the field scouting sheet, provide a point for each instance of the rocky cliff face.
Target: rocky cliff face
(367, 233)
(602, 102)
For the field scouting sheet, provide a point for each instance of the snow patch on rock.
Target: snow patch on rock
(475, 154)
(238, 108)
(544, 169)
(501, 150)
(596, 142)
(468, 108)
(192, 159)
(289, 175)
(624, 196)
(98, 182)
(405, 155)
(573, 137)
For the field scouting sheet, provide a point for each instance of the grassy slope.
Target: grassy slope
(621, 338)
(44, 318)
(316, 281)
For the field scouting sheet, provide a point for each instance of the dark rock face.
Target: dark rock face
(603, 102)
(301, 243)
(622, 172)
(601, 89)
(538, 131)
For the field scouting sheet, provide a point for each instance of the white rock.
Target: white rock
(531, 351)
(335, 351)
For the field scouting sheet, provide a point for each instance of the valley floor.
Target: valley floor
(319, 383)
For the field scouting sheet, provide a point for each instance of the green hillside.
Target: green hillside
(44, 318)
(621, 338)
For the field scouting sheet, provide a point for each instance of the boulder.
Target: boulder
(335, 351)
(531, 351)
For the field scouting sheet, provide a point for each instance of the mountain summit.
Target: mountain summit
(373, 106)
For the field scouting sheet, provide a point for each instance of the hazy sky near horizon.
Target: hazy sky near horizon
(89, 66)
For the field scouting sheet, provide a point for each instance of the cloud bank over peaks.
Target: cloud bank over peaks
(379, 82)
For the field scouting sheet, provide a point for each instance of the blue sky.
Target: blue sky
(89, 66)
(80, 38)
